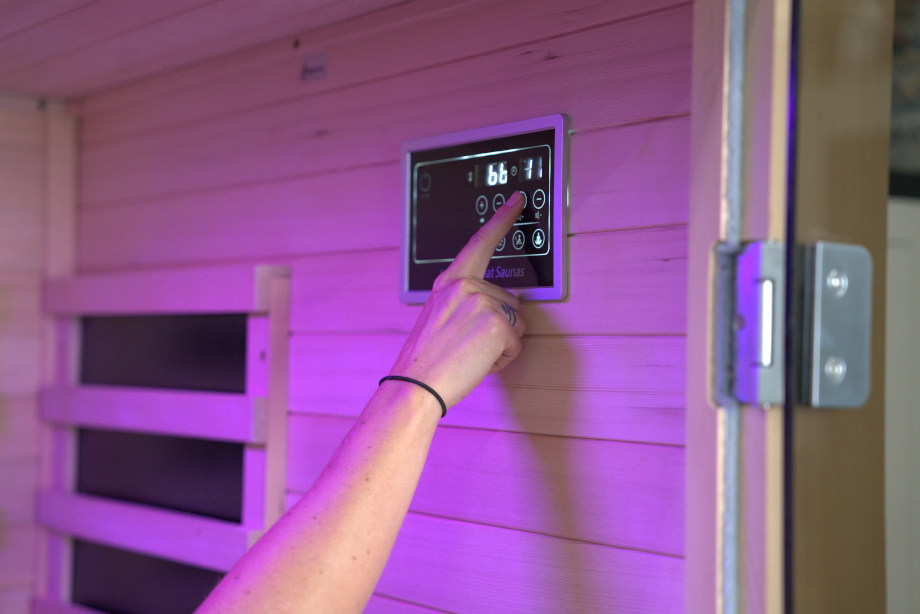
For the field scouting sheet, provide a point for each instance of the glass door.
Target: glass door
(835, 458)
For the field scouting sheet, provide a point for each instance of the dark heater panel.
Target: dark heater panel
(188, 475)
(121, 582)
(185, 352)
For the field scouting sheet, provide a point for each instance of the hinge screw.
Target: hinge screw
(837, 282)
(835, 369)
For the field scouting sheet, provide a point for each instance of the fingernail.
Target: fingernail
(515, 199)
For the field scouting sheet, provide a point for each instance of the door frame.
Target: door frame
(772, 573)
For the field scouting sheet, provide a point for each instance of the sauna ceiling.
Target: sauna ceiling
(71, 48)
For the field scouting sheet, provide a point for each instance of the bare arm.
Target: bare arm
(327, 553)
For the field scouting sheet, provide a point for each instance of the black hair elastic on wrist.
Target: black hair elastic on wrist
(402, 378)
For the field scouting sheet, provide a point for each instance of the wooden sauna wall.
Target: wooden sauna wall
(22, 214)
(558, 484)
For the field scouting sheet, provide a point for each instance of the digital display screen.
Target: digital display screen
(454, 190)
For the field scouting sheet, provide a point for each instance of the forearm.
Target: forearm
(328, 551)
(326, 554)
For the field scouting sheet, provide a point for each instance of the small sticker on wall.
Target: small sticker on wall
(314, 67)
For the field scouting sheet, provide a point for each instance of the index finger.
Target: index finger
(473, 259)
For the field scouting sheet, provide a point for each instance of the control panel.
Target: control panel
(455, 183)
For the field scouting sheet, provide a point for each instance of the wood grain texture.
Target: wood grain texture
(555, 486)
(17, 555)
(386, 605)
(465, 567)
(18, 426)
(446, 30)
(21, 125)
(645, 77)
(601, 387)
(15, 600)
(616, 184)
(20, 302)
(604, 492)
(20, 363)
(21, 200)
(213, 289)
(49, 606)
(186, 538)
(22, 166)
(102, 44)
(619, 283)
(17, 495)
(213, 416)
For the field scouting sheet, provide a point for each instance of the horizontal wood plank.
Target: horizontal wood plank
(48, 606)
(620, 283)
(21, 126)
(22, 170)
(465, 567)
(20, 302)
(625, 388)
(379, 604)
(15, 600)
(624, 73)
(18, 426)
(17, 555)
(447, 31)
(214, 289)
(18, 477)
(614, 493)
(43, 41)
(116, 46)
(20, 362)
(20, 239)
(616, 184)
(204, 415)
(195, 540)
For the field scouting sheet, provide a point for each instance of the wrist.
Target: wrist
(409, 398)
(420, 384)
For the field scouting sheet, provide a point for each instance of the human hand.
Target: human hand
(469, 327)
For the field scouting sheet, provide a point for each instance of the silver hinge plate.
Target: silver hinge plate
(830, 345)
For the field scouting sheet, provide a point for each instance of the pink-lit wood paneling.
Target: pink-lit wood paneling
(70, 48)
(206, 415)
(18, 426)
(17, 555)
(622, 388)
(644, 63)
(624, 165)
(216, 289)
(446, 30)
(205, 542)
(17, 495)
(558, 484)
(620, 283)
(604, 492)
(470, 567)
(22, 212)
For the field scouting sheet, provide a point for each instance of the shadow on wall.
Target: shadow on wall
(559, 466)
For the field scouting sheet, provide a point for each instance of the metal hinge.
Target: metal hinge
(828, 335)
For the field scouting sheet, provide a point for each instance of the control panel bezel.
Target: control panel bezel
(459, 153)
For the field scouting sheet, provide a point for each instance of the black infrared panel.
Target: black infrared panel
(178, 473)
(121, 582)
(187, 352)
